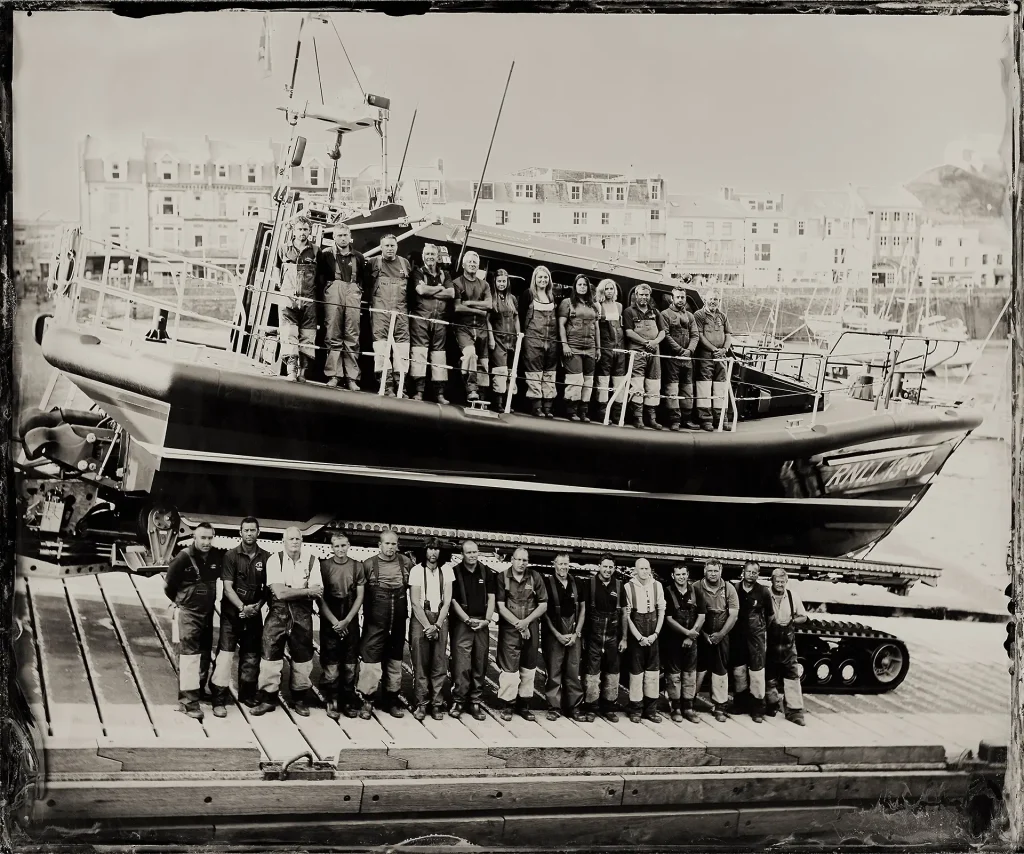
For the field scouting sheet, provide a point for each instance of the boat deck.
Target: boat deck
(97, 665)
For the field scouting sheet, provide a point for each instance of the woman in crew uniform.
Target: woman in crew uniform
(783, 667)
(603, 642)
(581, 343)
(522, 599)
(191, 584)
(503, 328)
(748, 643)
(684, 618)
(721, 607)
(344, 581)
(430, 595)
(642, 620)
(611, 367)
(298, 285)
(563, 627)
(540, 342)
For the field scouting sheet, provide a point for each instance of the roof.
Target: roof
(184, 149)
(241, 152)
(889, 197)
(704, 206)
(813, 204)
(104, 148)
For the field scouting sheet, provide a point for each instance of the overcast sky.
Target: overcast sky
(759, 102)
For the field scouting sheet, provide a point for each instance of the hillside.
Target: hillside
(951, 193)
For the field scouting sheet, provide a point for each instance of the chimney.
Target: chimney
(440, 165)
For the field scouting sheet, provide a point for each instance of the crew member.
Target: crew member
(714, 341)
(473, 593)
(783, 667)
(293, 576)
(430, 299)
(522, 600)
(503, 329)
(611, 369)
(191, 584)
(430, 586)
(642, 619)
(721, 608)
(344, 580)
(389, 278)
(472, 305)
(343, 274)
(540, 342)
(644, 330)
(604, 642)
(684, 619)
(748, 643)
(385, 611)
(244, 577)
(680, 341)
(581, 343)
(563, 628)
(298, 286)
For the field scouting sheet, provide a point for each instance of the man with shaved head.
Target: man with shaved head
(713, 343)
(472, 305)
(294, 579)
(473, 597)
(642, 620)
(783, 669)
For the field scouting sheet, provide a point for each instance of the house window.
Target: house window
(606, 218)
(424, 189)
(800, 227)
(345, 186)
(938, 241)
(524, 191)
(655, 192)
(608, 193)
(620, 194)
(883, 240)
(691, 250)
(197, 170)
(896, 216)
(222, 172)
(775, 228)
(115, 171)
(536, 217)
(999, 259)
(655, 214)
(465, 212)
(709, 226)
(500, 217)
(752, 205)
(166, 169)
(753, 226)
(952, 263)
(727, 229)
(575, 192)
(222, 241)
(687, 226)
(222, 204)
(314, 176)
(839, 255)
(910, 218)
(579, 217)
(167, 206)
(198, 198)
(828, 228)
(960, 242)
(250, 175)
(984, 259)
(769, 205)
(583, 240)
(252, 206)
(199, 241)
(896, 240)
(762, 252)
(884, 216)
(967, 261)
(486, 189)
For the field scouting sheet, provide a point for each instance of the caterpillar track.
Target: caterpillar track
(850, 658)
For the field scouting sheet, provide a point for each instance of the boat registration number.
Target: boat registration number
(864, 473)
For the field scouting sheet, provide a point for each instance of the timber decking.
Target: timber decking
(97, 664)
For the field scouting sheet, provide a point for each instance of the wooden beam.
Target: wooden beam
(378, 830)
(624, 829)
(747, 787)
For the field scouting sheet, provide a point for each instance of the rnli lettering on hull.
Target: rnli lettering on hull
(862, 473)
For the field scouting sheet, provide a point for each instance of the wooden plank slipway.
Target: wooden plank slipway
(97, 664)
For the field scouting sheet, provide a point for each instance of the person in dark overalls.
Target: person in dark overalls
(298, 285)
(611, 367)
(581, 345)
(715, 340)
(681, 339)
(540, 342)
(748, 643)
(563, 629)
(603, 642)
(430, 596)
(241, 619)
(429, 301)
(344, 582)
(473, 595)
(522, 600)
(684, 619)
(721, 607)
(783, 667)
(385, 613)
(293, 576)
(191, 584)
(503, 328)
(342, 275)
(472, 305)
(643, 618)
(644, 330)
(389, 296)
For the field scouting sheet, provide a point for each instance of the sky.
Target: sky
(774, 102)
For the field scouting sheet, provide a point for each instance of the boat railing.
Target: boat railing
(108, 298)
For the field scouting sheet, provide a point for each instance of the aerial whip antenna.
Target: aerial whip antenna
(319, 79)
(344, 51)
(398, 180)
(480, 183)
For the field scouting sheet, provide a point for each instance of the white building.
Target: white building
(973, 254)
(895, 220)
(827, 242)
(706, 236)
(35, 247)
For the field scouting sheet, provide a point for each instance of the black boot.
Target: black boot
(675, 711)
(548, 405)
(523, 709)
(614, 415)
(537, 407)
(686, 707)
(267, 703)
(393, 704)
(636, 415)
(303, 364)
(574, 406)
(419, 384)
(439, 391)
(291, 364)
(673, 420)
(471, 391)
(649, 418)
(757, 709)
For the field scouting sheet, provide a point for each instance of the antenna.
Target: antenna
(483, 172)
(398, 180)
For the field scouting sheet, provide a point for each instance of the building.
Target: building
(895, 220)
(971, 254)
(35, 247)
(706, 236)
(824, 239)
(604, 209)
(765, 230)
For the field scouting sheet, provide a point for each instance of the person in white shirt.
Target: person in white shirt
(295, 582)
(642, 619)
(430, 585)
(782, 665)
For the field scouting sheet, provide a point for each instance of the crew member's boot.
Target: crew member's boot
(649, 418)
(651, 710)
(399, 380)
(757, 709)
(771, 709)
(393, 705)
(292, 368)
(585, 412)
(523, 709)
(300, 703)
(267, 703)
(353, 385)
(686, 707)
(300, 368)
(673, 420)
(573, 407)
(636, 415)
(707, 421)
(796, 716)
(548, 405)
(537, 407)
(419, 384)
(471, 390)
(333, 382)
(740, 702)
(676, 711)
(439, 391)
(615, 414)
